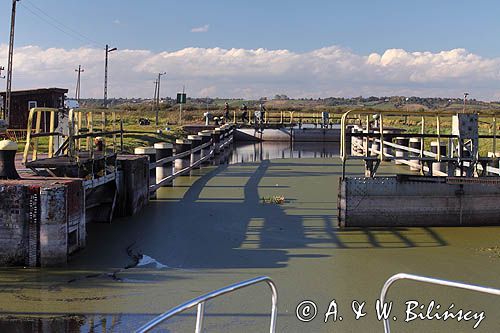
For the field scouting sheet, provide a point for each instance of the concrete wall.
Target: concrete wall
(42, 221)
(418, 201)
(14, 227)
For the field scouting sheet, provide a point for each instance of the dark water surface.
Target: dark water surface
(211, 229)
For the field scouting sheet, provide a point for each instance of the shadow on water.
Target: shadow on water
(207, 231)
(199, 223)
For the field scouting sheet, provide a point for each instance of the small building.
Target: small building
(23, 100)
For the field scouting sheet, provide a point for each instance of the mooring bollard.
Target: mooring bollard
(222, 140)
(496, 158)
(164, 150)
(216, 138)
(182, 146)
(206, 136)
(8, 151)
(439, 166)
(415, 143)
(401, 154)
(196, 142)
(151, 153)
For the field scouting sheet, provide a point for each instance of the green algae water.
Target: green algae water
(212, 229)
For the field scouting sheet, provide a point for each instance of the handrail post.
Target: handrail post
(200, 315)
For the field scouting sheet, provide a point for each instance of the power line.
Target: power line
(62, 24)
(42, 15)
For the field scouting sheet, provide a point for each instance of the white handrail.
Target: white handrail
(405, 276)
(200, 303)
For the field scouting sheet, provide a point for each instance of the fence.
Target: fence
(371, 138)
(189, 154)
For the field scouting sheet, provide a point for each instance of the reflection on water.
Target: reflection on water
(244, 152)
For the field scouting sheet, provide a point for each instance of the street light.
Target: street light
(158, 96)
(108, 51)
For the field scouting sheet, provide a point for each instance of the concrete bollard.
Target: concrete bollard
(196, 142)
(388, 150)
(164, 150)
(222, 140)
(401, 154)
(216, 138)
(182, 146)
(151, 153)
(415, 143)
(206, 136)
(375, 148)
(442, 165)
(8, 151)
(496, 158)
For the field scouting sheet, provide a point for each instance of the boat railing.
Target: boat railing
(447, 283)
(200, 301)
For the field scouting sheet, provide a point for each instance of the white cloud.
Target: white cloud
(117, 21)
(330, 71)
(201, 29)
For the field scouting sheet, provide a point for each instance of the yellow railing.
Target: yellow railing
(83, 126)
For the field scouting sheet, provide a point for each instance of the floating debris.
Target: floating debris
(275, 199)
(147, 260)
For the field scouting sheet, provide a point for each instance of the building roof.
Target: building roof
(36, 91)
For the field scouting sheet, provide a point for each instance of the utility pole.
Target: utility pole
(158, 96)
(108, 50)
(8, 91)
(77, 90)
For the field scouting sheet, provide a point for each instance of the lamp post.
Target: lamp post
(158, 96)
(108, 51)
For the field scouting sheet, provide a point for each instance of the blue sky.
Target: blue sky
(300, 27)
(363, 26)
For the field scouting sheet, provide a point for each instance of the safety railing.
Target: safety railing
(226, 141)
(285, 117)
(373, 127)
(453, 284)
(199, 302)
(412, 160)
(82, 125)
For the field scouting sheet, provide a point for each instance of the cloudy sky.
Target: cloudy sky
(259, 48)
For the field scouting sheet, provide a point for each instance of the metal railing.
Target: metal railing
(413, 161)
(405, 276)
(199, 302)
(430, 127)
(83, 125)
(152, 188)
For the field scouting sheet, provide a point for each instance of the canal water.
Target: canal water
(212, 229)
